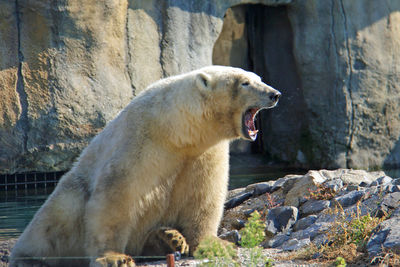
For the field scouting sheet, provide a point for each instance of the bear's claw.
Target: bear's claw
(174, 239)
(115, 260)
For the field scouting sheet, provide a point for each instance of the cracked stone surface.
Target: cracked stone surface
(67, 68)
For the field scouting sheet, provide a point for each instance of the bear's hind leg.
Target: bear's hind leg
(165, 240)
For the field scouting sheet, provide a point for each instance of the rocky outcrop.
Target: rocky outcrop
(316, 217)
(68, 67)
(336, 63)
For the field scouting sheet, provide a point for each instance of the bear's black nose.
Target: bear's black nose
(275, 96)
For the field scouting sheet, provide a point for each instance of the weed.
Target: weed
(340, 262)
(219, 252)
(253, 232)
(346, 238)
(321, 193)
(271, 201)
(251, 237)
(223, 253)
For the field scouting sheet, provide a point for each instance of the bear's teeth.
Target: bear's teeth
(253, 132)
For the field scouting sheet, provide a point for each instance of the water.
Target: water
(17, 209)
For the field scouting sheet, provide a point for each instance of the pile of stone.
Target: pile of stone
(301, 209)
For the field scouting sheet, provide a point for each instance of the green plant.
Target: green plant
(252, 234)
(269, 262)
(360, 229)
(340, 262)
(219, 252)
(251, 237)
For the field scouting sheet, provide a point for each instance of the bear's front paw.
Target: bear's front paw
(114, 259)
(174, 239)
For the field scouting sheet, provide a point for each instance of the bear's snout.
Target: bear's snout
(274, 96)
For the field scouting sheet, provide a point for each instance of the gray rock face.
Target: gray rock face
(68, 67)
(338, 71)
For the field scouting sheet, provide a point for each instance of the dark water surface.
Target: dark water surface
(17, 209)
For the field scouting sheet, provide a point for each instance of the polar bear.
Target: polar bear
(155, 179)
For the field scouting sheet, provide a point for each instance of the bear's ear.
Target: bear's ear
(203, 80)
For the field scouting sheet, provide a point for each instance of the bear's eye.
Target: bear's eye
(245, 83)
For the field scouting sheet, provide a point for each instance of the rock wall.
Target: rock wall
(337, 64)
(68, 67)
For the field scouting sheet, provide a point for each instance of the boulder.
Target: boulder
(280, 219)
(302, 187)
(349, 199)
(386, 236)
(294, 244)
(314, 207)
(305, 222)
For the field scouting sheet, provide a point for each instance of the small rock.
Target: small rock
(378, 239)
(349, 176)
(364, 184)
(384, 180)
(314, 206)
(262, 188)
(276, 241)
(294, 244)
(238, 224)
(335, 184)
(316, 255)
(350, 198)
(305, 222)
(302, 186)
(391, 200)
(396, 213)
(393, 188)
(236, 201)
(280, 219)
(288, 185)
(231, 236)
(248, 212)
(373, 190)
(279, 184)
(374, 183)
(312, 231)
(352, 187)
(235, 192)
(321, 239)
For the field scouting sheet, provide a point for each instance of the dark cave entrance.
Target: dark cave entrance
(259, 38)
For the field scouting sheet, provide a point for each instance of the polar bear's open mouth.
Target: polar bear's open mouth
(249, 127)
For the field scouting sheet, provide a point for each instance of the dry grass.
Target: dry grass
(346, 238)
(321, 193)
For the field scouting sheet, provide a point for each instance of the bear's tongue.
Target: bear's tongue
(249, 121)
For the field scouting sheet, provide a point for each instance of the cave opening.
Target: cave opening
(259, 38)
